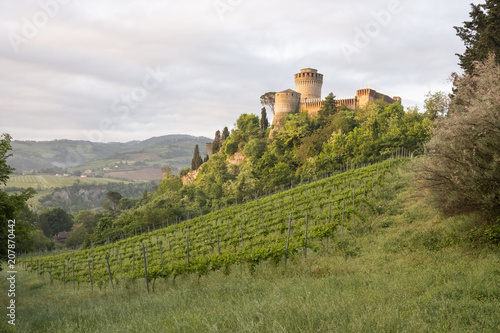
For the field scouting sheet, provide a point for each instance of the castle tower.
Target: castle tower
(308, 83)
(364, 96)
(285, 102)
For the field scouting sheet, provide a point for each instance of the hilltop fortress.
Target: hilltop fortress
(307, 97)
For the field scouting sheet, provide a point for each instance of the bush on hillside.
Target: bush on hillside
(462, 167)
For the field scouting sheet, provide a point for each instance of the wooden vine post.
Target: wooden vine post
(288, 238)
(187, 246)
(109, 270)
(145, 266)
(305, 239)
(90, 277)
(353, 206)
(241, 233)
(343, 213)
(218, 243)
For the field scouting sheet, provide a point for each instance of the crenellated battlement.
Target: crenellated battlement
(308, 83)
(311, 105)
(351, 103)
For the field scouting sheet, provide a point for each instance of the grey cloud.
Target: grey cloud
(63, 82)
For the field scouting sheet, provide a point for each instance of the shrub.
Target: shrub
(462, 167)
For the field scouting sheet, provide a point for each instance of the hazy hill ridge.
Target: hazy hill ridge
(172, 150)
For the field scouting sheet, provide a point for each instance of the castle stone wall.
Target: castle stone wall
(351, 103)
(365, 96)
(312, 106)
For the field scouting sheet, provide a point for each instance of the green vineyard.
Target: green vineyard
(275, 228)
(51, 181)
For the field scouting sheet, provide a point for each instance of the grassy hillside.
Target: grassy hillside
(404, 268)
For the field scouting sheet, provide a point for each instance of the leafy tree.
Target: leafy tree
(127, 203)
(184, 171)
(10, 205)
(75, 238)
(87, 219)
(312, 144)
(297, 126)
(166, 171)
(268, 99)
(481, 35)
(281, 174)
(255, 149)
(216, 144)
(247, 128)
(229, 147)
(436, 104)
(264, 123)
(54, 220)
(245, 184)
(196, 162)
(170, 184)
(44, 225)
(462, 169)
(102, 230)
(329, 106)
(114, 199)
(38, 241)
(5, 169)
(212, 176)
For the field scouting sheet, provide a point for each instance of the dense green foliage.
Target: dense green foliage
(54, 220)
(10, 207)
(481, 35)
(462, 169)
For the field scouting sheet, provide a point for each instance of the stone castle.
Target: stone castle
(307, 96)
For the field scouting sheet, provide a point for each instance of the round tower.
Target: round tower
(284, 102)
(308, 83)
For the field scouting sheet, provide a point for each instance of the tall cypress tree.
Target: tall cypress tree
(264, 123)
(225, 133)
(197, 160)
(216, 144)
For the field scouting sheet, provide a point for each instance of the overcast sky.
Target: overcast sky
(125, 70)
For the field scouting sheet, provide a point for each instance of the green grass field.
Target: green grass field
(405, 269)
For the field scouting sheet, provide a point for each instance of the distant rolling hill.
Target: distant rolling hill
(115, 159)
